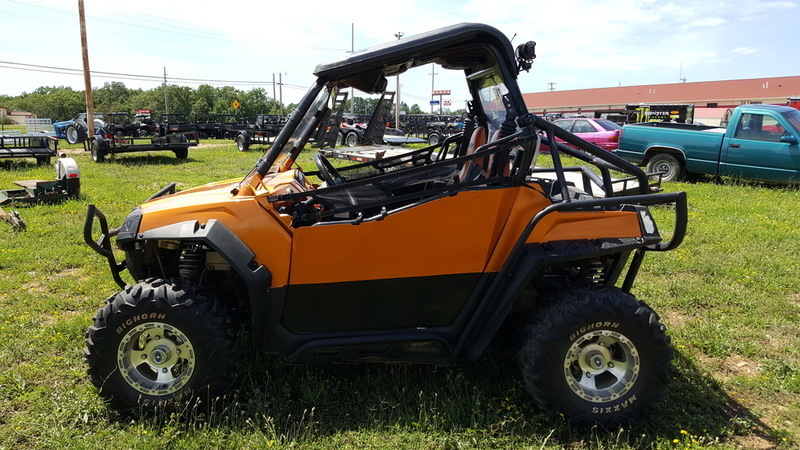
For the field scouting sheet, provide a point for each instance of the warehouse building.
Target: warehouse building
(710, 98)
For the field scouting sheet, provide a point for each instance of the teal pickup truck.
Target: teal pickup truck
(759, 143)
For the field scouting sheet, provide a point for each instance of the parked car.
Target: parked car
(601, 132)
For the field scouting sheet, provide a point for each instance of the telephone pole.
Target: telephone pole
(166, 99)
(87, 77)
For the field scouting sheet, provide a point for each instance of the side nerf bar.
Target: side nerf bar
(103, 244)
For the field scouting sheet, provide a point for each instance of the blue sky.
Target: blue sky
(580, 44)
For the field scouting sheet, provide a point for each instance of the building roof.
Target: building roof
(723, 92)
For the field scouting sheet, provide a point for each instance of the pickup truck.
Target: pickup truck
(760, 142)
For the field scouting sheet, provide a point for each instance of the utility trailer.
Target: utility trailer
(103, 144)
(29, 146)
(261, 131)
(66, 185)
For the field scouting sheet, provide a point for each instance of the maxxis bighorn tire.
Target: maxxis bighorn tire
(669, 165)
(160, 343)
(596, 356)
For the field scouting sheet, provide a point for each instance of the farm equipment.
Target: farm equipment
(66, 185)
(105, 143)
(76, 130)
(29, 146)
(386, 261)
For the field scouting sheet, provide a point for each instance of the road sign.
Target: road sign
(442, 92)
(236, 104)
(434, 102)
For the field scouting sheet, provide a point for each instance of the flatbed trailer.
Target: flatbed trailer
(103, 145)
(29, 146)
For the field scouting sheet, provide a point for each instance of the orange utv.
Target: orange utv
(419, 257)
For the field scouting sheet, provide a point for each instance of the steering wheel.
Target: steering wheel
(326, 170)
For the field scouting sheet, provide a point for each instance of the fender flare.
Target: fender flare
(216, 235)
(655, 149)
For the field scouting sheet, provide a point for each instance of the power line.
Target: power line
(134, 77)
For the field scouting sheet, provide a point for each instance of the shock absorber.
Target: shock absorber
(192, 261)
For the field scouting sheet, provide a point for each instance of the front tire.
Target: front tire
(668, 165)
(596, 356)
(158, 343)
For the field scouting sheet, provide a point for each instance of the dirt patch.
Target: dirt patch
(677, 319)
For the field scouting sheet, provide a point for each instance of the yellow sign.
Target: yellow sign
(236, 104)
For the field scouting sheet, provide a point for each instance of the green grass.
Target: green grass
(730, 296)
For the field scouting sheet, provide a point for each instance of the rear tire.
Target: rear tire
(159, 343)
(596, 356)
(434, 138)
(667, 164)
(71, 134)
(352, 139)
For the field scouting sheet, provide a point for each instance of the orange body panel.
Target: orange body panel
(452, 235)
(258, 227)
(559, 226)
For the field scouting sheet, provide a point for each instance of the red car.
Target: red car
(601, 132)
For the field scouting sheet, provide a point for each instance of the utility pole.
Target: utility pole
(552, 86)
(273, 87)
(433, 75)
(87, 77)
(166, 99)
(398, 35)
(280, 90)
(352, 50)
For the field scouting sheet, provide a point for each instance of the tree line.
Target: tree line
(64, 103)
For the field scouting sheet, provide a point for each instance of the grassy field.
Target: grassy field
(730, 296)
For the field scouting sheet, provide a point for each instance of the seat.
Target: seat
(473, 168)
(500, 160)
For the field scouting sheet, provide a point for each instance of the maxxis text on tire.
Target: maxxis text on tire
(596, 356)
(158, 343)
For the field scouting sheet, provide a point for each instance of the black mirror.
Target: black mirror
(525, 54)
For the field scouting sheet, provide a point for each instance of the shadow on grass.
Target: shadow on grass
(160, 159)
(484, 402)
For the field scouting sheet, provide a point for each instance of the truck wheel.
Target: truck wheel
(351, 140)
(667, 164)
(98, 151)
(241, 143)
(158, 343)
(434, 138)
(71, 134)
(596, 356)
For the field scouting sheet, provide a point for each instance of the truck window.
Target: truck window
(759, 127)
